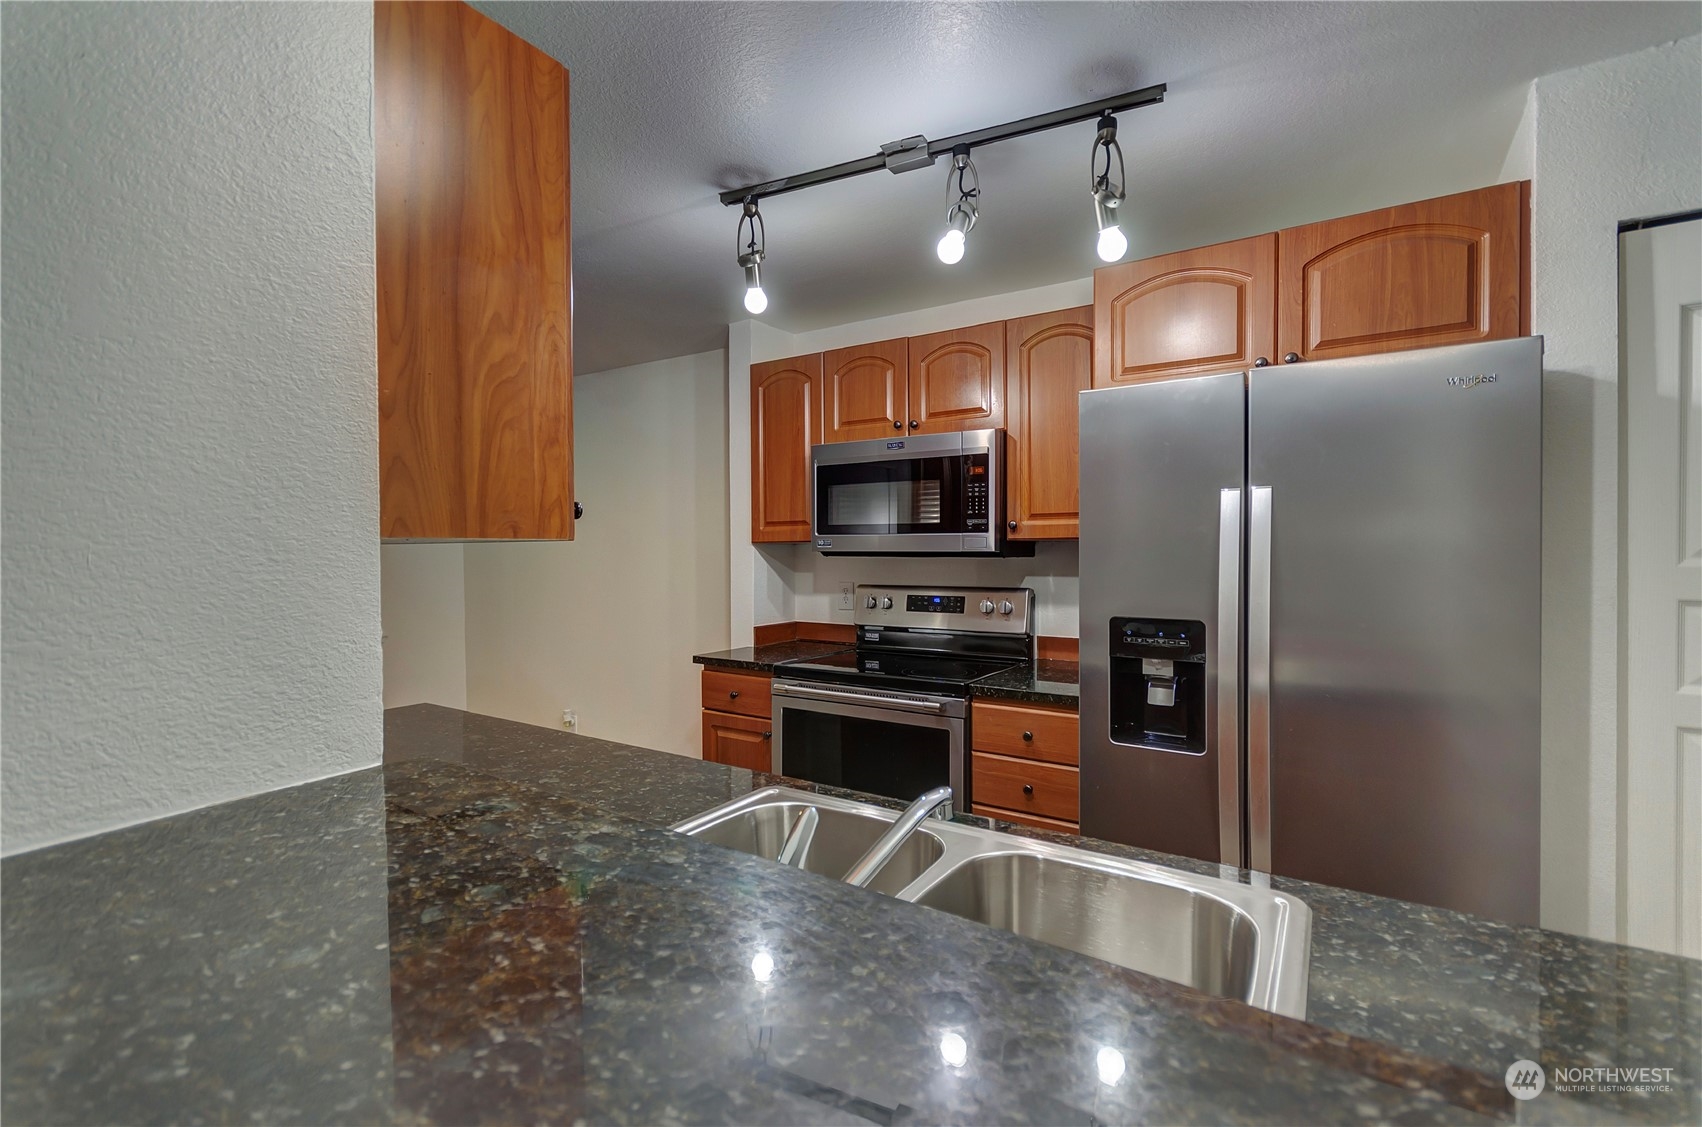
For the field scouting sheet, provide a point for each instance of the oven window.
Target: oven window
(875, 756)
(901, 496)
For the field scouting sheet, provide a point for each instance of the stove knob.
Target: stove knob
(986, 606)
(1006, 607)
(869, 602)
(886, 603)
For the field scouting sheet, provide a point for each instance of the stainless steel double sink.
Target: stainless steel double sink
(1216, 935)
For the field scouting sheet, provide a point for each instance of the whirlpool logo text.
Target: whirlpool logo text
(1464, 382)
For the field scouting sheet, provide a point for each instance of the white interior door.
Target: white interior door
(1661, 577)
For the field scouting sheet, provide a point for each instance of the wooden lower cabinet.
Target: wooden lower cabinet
(737, 730)
(1024, 765)
(738, 741)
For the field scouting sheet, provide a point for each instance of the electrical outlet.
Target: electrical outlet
(570, 719)
(846, 590)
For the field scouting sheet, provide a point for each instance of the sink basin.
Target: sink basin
(1167, 930)
(842, 836)
(1216, 935)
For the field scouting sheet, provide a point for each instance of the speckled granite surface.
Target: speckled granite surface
(495, 928)
(765, 658)
(1046, 681)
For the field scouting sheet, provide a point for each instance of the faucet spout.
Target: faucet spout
(883, 849)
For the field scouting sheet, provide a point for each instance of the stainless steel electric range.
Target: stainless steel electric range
(890, 716)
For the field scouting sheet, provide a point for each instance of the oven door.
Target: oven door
(879, 741)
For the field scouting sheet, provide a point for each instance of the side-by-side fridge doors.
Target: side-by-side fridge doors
(1162, 467)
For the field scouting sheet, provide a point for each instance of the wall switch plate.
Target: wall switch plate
(846, 591)
(570, 719)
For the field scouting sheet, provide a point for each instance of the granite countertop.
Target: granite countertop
(497, 927)
(1043, 682)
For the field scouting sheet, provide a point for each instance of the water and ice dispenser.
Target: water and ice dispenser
(1158, 684)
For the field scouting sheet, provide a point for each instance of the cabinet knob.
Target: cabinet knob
(768, 735)
(898, 424)
(1262, 362)
(1011, 524)
(578, 511)
(1291, 358)
(734, 695)
(914, 424)
(1028, 789)
(1028, 737)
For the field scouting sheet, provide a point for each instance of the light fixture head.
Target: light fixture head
(1107, 199)
(751, 259)
(964, 211)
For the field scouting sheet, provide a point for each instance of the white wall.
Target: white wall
(190, 436)
(425, 624)
(607, 625)
(1617, 140)
(783, 583)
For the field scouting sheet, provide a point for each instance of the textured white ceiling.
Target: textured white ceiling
(1277, 113)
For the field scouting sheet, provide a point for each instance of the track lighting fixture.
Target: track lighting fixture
(751, 257)
(1113, 244)
(961, 215)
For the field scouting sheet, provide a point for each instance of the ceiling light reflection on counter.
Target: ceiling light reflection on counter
(762, 966)
(751, 259)
(964, 211)
(954, 1050)
(1113, 244)
(1111, 1066)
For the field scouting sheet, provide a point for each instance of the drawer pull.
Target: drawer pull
(768, 735)
(1028, 737)
(1028, 789)
(733, 695)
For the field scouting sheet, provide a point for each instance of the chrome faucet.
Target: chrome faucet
(936, 802)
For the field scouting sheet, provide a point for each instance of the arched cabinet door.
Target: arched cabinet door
(1050, 361)
(785, 423)
(863, 391)
(1211, 309)
(957, 380)
(1442, 271)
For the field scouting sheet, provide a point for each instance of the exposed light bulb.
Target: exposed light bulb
(1112, 244)
(756, 301)
(950, 248)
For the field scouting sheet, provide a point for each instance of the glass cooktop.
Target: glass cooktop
(894, 669)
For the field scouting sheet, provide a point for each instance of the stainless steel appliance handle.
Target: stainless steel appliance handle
(1259, 681)
(873, 699)
(1228, 741)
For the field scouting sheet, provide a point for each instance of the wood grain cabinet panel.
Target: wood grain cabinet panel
(1049, 361)
(1442, 271)
(747, 693)
(957, 380)
(474, 339)
(785, 423)
(1212, 309)
(738, 741)
(1026, 787)
(1049, 735)
(863, 393)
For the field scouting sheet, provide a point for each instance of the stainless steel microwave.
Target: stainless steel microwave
(922, 495)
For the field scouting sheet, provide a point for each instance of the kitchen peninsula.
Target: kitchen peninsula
(497, 926)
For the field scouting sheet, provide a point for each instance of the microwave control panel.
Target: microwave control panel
(976, 493)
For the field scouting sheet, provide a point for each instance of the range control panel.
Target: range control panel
(999, 610)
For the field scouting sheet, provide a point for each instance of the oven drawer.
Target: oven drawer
(743, 693)
(1025, 787)
(1050, 735)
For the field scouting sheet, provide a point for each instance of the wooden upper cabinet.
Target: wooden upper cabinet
(475, 374)
(957, 379)
(1443, 271)
(1212, 309)
(785, 423)
(863, 390)
(1050, 359)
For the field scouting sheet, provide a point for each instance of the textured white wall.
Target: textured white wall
(425, 624)
(190, 436)
(1617, 140)
(607, 625)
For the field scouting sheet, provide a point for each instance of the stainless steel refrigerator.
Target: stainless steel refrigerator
(1310, 621)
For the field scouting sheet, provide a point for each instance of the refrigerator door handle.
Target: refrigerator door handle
(1259, 681)
(1229, 676)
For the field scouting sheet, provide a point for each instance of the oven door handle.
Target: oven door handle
(900, 703)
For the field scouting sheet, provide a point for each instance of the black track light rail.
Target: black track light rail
(1087, 111)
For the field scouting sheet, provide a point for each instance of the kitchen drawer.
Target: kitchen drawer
(1034, 820)
(1050, 735)
(743, 693)
(1026, 787)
